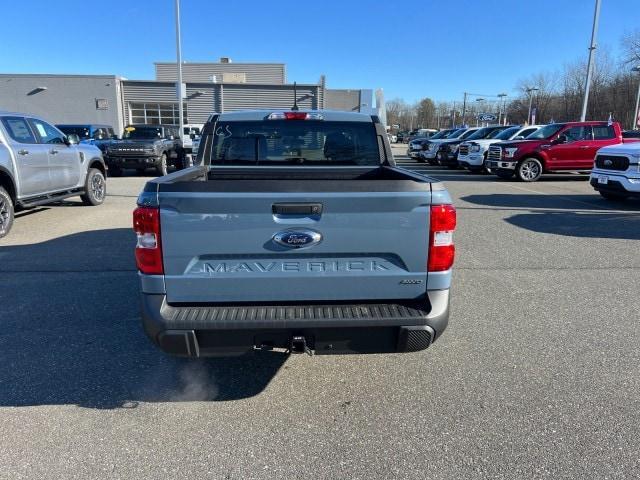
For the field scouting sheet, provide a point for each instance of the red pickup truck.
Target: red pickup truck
(557, 147)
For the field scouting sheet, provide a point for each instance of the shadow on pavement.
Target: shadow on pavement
(71, 333)
(575, 224)
(552, 202)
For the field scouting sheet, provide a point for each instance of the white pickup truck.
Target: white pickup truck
(616, 173)
(472, 154)
(39, 164)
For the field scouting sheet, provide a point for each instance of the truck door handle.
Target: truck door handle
(53, 151)
(296, 208)
(23, 152)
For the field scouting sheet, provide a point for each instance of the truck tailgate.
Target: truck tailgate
(219, 247)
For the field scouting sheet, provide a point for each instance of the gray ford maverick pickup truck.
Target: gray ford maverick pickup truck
(295, 232)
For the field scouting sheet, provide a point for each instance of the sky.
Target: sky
(436, 49)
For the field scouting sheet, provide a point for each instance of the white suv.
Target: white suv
(472, 154)
(616, 173)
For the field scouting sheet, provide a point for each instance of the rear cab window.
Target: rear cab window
(603, 132)
(18, 129)
(295, 143)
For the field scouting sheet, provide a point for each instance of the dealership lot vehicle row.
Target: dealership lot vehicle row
(535, 377)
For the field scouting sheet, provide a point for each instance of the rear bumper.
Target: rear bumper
(214, 330)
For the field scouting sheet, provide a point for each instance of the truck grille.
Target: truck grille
(495, 153)
(464, 149)
(608, 162)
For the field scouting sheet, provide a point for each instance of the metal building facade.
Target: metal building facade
(256, 73)
(64, 98)
(203, 99)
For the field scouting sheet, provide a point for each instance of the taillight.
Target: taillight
(441, 249)
(294, 115)
(146, 224)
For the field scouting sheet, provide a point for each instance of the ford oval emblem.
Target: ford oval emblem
(297, 238)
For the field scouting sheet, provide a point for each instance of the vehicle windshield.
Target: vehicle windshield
(483, 133)
(468, 134)
(440, 134)
(456, 133)
(142, 132)
(507, 133)
(546, 132)
(82, 132)
(295, 142)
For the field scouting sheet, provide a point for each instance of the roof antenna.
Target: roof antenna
(295, 98)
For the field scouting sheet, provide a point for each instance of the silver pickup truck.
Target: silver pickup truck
(39, 164)
(296, 232)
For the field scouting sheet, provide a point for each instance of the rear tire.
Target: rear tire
(529, 170)
(6, 212)
(162, 167)
(95, 188)
(616, 197)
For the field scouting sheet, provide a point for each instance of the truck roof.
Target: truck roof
(329, 115)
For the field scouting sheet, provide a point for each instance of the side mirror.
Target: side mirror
(560, 139)
(99, 137)
(73, 139)
(519, 137)
(192, 136)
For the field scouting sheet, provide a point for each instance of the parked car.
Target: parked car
(557, 147)
(473, 153)
(146, 146)
(421, 133)
(39, 164)
(401, 136)
(631, 134)
(93, 134)
(419, 155)
(191, 131)
(430, 153)
(252, 255)
(415, 146)
(616, 173)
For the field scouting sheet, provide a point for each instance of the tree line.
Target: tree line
(558, 97)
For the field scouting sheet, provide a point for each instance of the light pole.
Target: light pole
(529, 90)
(477, 113)
(592, 49)
(636, 122)
(502, 97)
(179, 55)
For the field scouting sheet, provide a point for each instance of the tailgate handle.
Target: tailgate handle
(296, 208)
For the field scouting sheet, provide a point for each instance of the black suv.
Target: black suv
(146, 146)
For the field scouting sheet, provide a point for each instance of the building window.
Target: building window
(156, 113)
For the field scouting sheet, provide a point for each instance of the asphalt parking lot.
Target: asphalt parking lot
(537, 376)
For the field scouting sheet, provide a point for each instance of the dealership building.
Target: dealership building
(222, 86)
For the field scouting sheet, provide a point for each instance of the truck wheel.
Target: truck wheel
(6, 212)
(529, 170)
(613, 196)
(95, 188)
(162, 167)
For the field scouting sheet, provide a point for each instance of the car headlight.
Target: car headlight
(474, 148)
(510, 152)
